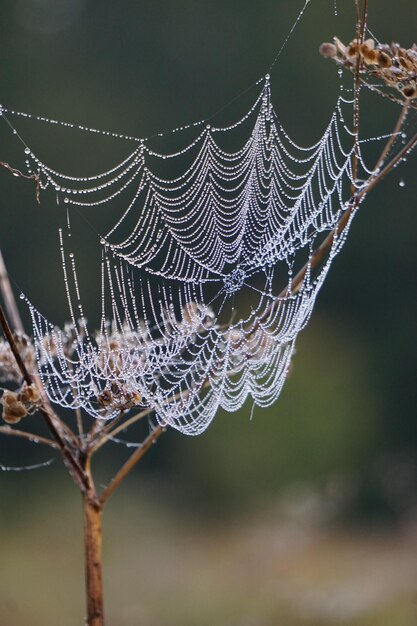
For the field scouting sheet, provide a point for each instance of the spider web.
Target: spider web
(199, 292)
(199, 308)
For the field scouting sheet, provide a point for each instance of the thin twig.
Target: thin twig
(9, 299)
(130, 463)
(357, 86)
(390, 144)
(79, 421)
(20, 174)
(13, 347)
(106, 435)
(8, 430)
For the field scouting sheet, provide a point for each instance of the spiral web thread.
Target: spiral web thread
(198, 307)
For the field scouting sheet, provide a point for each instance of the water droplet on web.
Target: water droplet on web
(22, 296)
(27, 150)
(66, 200)
(402, 183)
(71, 255)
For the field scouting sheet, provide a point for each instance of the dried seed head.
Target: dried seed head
(29, 394)
(353, 49)
(410, 91)
(395, 66)
(328, 50)
(105, 399)
(383, 59)
(118, 397)
(13, 410)
(369, 54)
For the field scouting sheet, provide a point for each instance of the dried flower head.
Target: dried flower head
(20, 403)
(13, 409)
(395, 66)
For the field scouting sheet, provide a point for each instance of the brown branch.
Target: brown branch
(130, 463)
(105, 435)
(390, 144)
(20, 174)
(13, 347)
(8, 430)
(410, 145)
(360, 33)
(9, 299)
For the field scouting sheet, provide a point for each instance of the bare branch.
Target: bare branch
(8, 430)
(105, 435)
(20, 174)
(9, 299)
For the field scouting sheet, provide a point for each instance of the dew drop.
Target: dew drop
(402, 183)
(71, 255)
(66, 200)
(27, 150)
(22, 296)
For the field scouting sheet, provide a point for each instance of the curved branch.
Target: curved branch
(130, 463)
(8, 430)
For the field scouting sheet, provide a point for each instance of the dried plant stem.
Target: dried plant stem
(13, 432)
(93, 560)
(390, 143)
(9, 299)
(20, 174)
(410, 145)
(106, 435)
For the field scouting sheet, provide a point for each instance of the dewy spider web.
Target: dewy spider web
(233, 225)
(229, 229)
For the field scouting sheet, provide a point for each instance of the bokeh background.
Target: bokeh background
(306, 514)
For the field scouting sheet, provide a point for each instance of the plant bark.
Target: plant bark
(93, 561)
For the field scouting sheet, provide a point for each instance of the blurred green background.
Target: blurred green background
(305, 515)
